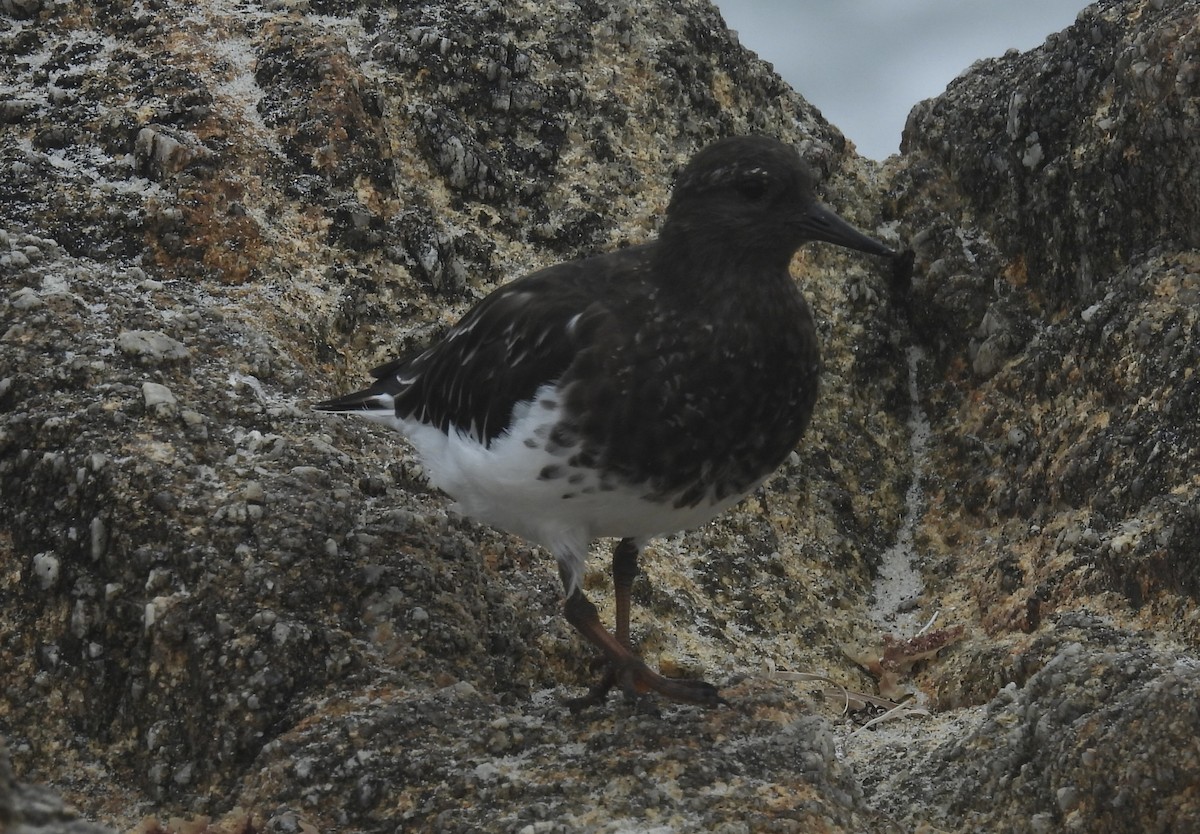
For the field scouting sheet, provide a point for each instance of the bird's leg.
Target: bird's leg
(624, 571)
(625, 669)
(582, 614)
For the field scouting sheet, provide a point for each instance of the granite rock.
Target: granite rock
(224, 612)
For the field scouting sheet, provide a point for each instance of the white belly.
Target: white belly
(522, 488)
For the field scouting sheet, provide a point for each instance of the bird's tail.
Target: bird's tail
(378, 402)
(370, 403)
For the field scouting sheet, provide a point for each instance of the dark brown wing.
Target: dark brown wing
(524, 335)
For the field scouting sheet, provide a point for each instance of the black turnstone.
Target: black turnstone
(632, 394)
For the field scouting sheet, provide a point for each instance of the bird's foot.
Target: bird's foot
(639, 684)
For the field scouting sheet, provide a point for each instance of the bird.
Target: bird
(631, 394)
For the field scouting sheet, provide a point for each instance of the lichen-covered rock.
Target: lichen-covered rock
(250, 207)
(218, 604)
(1056, 287)
(458, 760)
(1080, 153)
(1070, 750)
(31, 809)
(1063, 382)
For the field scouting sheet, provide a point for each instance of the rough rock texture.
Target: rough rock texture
(222, 611)
(29, 809)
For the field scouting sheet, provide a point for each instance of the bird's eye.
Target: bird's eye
(753, 189)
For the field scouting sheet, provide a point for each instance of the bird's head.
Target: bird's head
(753, 195)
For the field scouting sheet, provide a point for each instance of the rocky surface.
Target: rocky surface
(223, 612)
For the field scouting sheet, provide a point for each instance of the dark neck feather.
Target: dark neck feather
(718, 269)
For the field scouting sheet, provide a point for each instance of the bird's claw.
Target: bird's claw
(639, 684)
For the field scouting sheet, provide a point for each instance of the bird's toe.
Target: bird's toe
(640, 685)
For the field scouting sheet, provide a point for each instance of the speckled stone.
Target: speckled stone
(1070, 749)
(227, 606)
(33, 809)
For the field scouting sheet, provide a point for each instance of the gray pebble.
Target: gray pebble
(158, 396)
(151, 345)
(46, 569)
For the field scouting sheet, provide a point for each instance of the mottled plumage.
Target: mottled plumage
(634, 393)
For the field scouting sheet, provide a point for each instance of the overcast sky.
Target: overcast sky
(865, 63)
